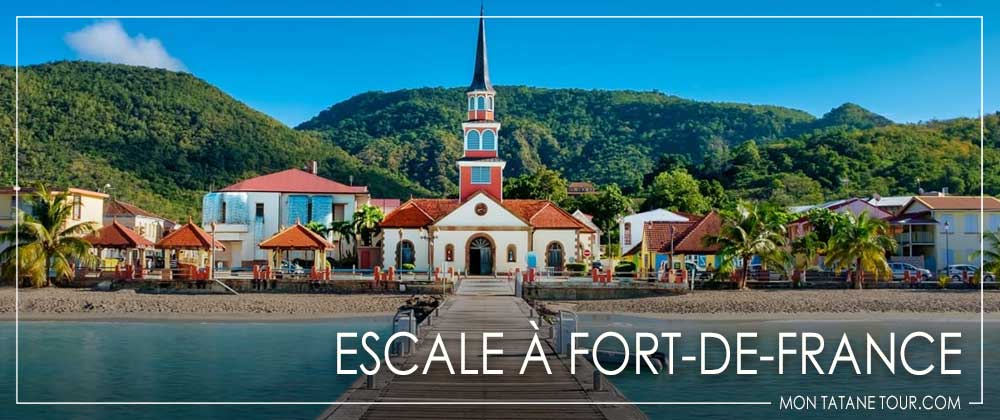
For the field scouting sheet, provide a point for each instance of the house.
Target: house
(677, 241)
(387, 205)
(147, 224)
(580, 188)
(891, 205)
(480, 232)
(87, 206)
(856, 206)
(593, 242)
(250, 211)
(935, 231)
(630, 228)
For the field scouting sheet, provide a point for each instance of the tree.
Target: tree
(543, 184)
(344, 231)
(47, 244)
(804, 250)
(750, 230)
(366, 223)
(317, 227)
(861, 243)
(606, 207)
(676, 190)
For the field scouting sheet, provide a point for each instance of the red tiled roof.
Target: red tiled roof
(385, 202)
(294, 181)
(657, 235)
(955, 202)
(296, 237)
(121, 208)
(541, 214)
(117, 236)
(189, 236)
(693, 240)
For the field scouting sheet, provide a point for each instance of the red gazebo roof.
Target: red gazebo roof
(189, 236)
(296, 237)
(117, 236)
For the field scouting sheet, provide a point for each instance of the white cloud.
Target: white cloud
(108, 41)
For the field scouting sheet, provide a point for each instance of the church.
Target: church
(480, 233)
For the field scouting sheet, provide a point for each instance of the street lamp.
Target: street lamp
(430, 236)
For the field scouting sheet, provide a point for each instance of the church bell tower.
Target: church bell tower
(480, 168)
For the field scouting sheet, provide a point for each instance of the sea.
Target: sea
(177, 361)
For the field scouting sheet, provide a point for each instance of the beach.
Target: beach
(793, 304)
(83, 304)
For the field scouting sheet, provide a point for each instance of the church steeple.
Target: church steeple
(481, 74)
(480, 168)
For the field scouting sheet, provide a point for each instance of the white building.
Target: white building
(630, 227)
(253, 210)
(480, 233)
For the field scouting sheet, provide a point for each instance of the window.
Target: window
(480, 102)
(994, 222)
(628, 233)
(472, 140)
(472, 103)
(449, 252)
(511, 253)
(259, 211)
(489, 140)
(971, 223)
(338, 212)
(406, 254)
(554, 255)
(309, 212)
(481, 175)
(13, 208)
(222, 212)
(77, 207)
(489, 103)
(947, 223)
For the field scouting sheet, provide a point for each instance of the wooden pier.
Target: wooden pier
(484, 305)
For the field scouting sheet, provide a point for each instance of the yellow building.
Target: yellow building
(935, 231)
(88, 206)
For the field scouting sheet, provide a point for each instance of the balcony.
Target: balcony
(916, 237)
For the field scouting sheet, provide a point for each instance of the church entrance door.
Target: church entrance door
(480, 257)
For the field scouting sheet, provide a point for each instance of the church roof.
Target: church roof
(294, 181)
(296, 237)
(540, 214)
(117, 236)
(481, 74)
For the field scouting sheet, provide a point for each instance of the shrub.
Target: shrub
(408, 266)
(625, 267)
(576, 267)
(943, 281)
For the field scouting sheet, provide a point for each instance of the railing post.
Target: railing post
(598, 381)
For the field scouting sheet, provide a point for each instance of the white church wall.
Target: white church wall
(496, 215)
(391, 239)
(501, 239)
(567, 237)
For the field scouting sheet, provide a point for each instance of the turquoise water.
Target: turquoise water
(687, 384)
(294, 361)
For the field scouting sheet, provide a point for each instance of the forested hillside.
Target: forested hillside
(160, 138)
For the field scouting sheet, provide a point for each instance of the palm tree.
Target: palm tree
(805, 250)
(317, 227)
(990, 252)
(366, 223)
(747, 231)
(47, 244)
(344, 230)
(862, 242)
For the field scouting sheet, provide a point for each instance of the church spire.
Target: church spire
(481, 74)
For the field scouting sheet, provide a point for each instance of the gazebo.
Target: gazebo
(120, 237)
(297, 238)
(189, 237)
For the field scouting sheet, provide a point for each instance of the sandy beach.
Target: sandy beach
(82, 304)
(792, 304)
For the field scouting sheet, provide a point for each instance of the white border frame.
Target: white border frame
(17, 370)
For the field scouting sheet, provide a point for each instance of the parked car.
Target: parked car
(955, 271)
(597, 264)
(291, 267)
(899, 268)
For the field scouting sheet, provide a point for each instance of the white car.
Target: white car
(955, 271)
(899, 268)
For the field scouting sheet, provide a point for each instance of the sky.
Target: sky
(906, 69)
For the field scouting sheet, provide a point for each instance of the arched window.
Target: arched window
(406, 254)
(472, 104)
(449, 252)
(554, 255)
(489, 103)
(511, 253)
(472, 140)
(489, 140)
(481, 102)
(628, 233)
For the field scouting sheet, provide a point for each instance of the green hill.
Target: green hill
(160, 138)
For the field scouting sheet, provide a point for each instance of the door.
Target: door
(480, 257)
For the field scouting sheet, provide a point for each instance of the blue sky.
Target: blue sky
(908, 70)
